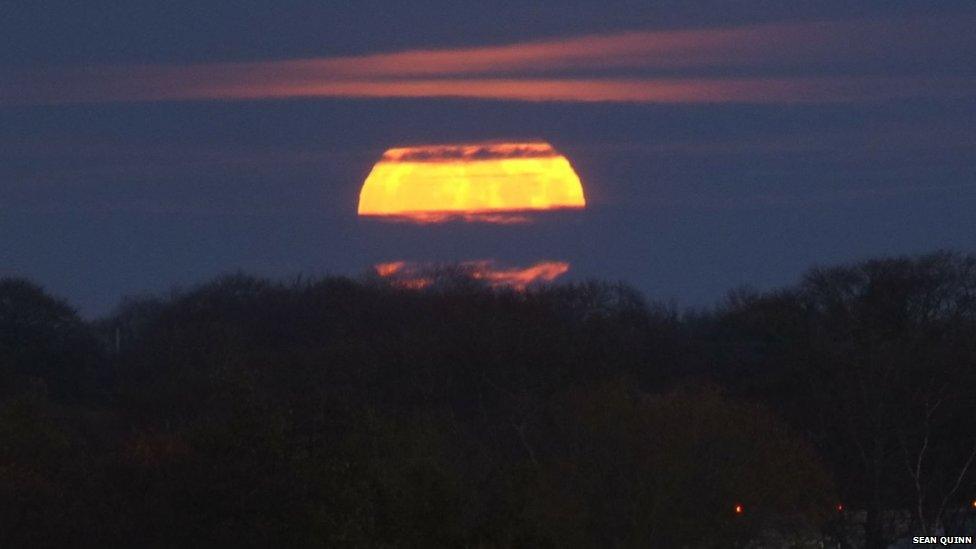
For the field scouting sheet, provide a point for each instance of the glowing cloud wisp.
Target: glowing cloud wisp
(803, 62)
(488, 182)
(422, 275)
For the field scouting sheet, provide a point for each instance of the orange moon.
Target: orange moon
(488, 182)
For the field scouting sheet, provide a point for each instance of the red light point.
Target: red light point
(739, 509)
(840, 507)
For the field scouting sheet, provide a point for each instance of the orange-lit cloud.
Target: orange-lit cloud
(647, 67)
(389, 269)
(404, 275)
(545, 271)
(489, 182)
(422, 275)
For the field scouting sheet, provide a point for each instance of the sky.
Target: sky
(146, 145)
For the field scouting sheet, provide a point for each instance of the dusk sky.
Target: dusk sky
(151, 145)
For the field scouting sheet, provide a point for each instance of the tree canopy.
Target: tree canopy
(354, 412)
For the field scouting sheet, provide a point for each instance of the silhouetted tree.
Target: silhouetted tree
(876, 362)
(340, 412)
(44, 346)
(639, 470)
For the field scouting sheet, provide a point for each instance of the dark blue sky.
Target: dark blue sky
(100, 200)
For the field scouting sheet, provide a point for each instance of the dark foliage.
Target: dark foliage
(340, 412)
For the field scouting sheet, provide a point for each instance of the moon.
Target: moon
(494, 182)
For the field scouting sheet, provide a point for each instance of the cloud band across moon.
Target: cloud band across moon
(804, 63)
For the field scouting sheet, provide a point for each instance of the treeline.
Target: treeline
(341, 412)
